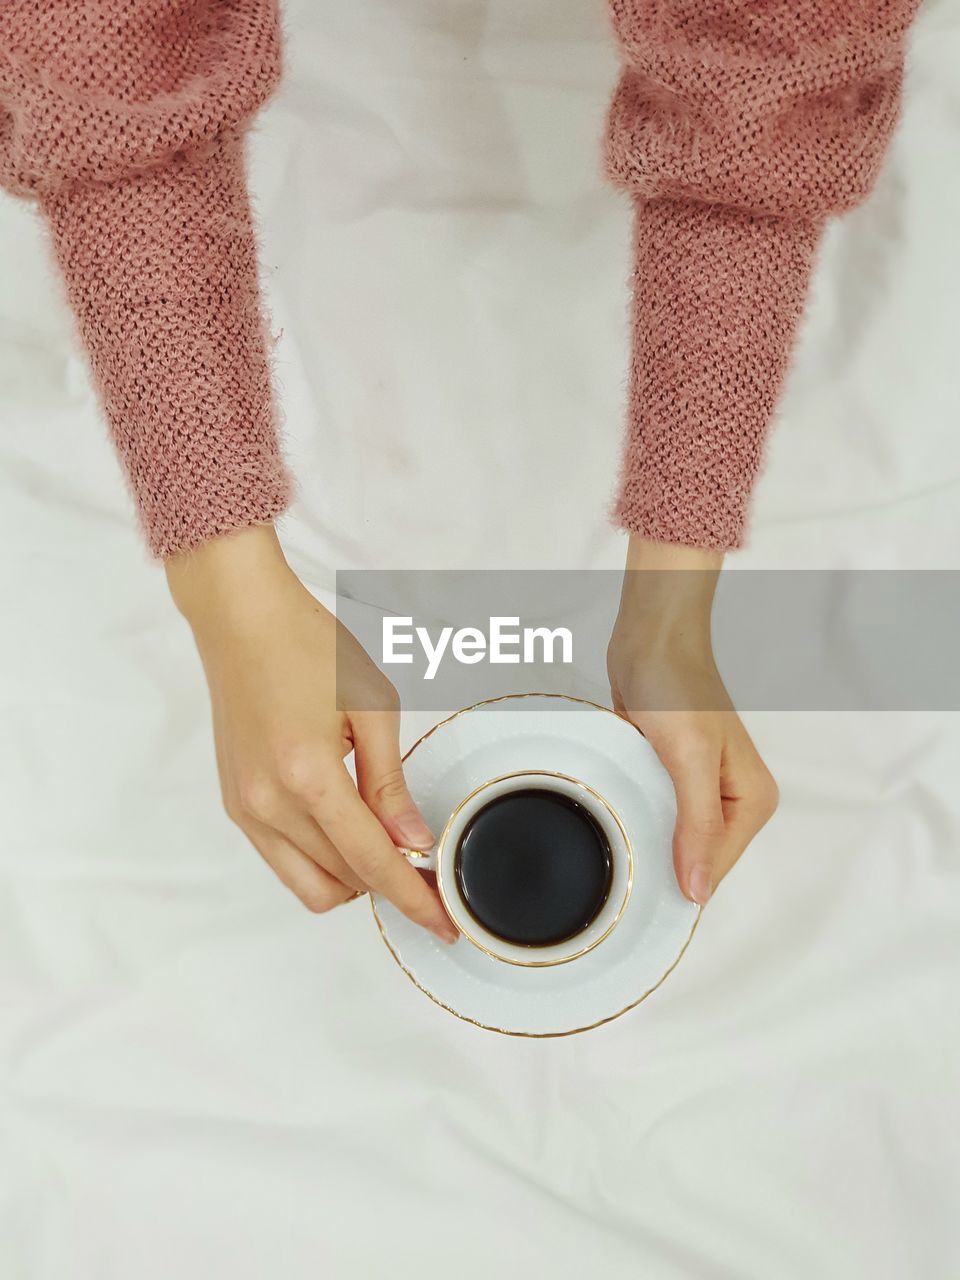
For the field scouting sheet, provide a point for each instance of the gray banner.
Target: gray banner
(784, 640)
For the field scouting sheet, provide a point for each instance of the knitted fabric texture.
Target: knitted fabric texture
(125, 119)
(738, 129)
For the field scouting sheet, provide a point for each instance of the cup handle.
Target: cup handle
(421, 859)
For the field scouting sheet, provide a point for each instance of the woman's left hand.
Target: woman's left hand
(663, 678)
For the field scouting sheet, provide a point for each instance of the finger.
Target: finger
(741, 827)
(317, 889)
(746, 812)
(302, 832)
(367, 848)
(380, 779)
(700, 830)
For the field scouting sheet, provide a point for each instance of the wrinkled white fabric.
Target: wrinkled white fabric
(199, 1079)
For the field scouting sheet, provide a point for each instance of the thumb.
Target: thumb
(380, 779)
(699, 833)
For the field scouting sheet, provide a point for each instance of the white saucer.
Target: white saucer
(547, 732)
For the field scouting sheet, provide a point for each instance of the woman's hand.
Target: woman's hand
(270, 652)
(664, 679)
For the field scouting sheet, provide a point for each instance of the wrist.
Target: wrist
(667, 595)
(645, 554)
(237, 577)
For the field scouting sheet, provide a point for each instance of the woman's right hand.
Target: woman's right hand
(270, 653)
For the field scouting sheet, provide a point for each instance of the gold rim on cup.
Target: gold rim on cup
(508, 777)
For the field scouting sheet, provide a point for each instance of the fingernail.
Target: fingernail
(445, 932)
(701, 883)
(414, 832)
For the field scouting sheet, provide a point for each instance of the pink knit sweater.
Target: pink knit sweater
(737, 127)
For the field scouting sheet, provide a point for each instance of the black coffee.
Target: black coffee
(534, 867)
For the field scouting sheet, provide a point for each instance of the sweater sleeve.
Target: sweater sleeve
(738, 130)
(125, 120)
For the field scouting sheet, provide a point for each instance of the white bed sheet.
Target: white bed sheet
(197, 1078)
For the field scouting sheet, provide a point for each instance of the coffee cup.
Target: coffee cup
(534, 868)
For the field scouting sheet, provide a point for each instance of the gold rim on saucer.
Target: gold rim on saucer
(486, 1026)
